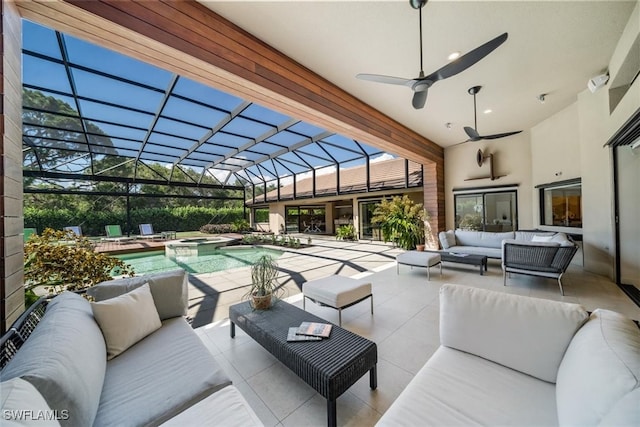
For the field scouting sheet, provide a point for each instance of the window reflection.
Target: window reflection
(562, 206)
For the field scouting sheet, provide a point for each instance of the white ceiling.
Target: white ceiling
(554, 47)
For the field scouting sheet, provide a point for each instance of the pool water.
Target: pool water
(219, 260)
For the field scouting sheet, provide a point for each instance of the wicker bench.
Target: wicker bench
(330, 366)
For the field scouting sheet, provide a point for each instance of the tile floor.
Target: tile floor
(404, 326)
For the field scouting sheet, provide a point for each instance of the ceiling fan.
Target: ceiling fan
(421, 84)
(473, 132)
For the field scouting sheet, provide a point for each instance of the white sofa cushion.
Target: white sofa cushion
(528, 235)
(22, 405)
(600, 367)
(65, 359)
(159, 377)
(625, 413)
(468, 238)
(494, 240)
(169, 290)
(225, 408)
(459, 389)
(447, 239)
(126, 319)
(526, 334)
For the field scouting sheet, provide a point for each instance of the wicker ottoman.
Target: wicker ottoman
(337, 292)
(419, 259)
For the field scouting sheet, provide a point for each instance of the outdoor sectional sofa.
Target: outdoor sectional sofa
(98, 364)
(514, 360)
(489, 243)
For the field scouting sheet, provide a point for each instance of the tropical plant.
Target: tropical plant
(264, 283)
(241, 225)
(346, 232)
(61, 260)
(401, 220)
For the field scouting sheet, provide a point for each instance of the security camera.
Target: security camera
(597, 82)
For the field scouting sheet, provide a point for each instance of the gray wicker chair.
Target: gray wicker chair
(536, 259)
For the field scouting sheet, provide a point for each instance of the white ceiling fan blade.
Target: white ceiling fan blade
(386, 79)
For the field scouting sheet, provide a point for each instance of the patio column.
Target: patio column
(433, 193)
(12, 224)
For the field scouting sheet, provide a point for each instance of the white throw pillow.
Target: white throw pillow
(126, 319)
(537, 238)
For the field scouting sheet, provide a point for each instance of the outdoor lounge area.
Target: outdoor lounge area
(175, 129)
(405, 326)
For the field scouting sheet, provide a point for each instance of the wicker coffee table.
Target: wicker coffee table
(330, 366)
(479, 260)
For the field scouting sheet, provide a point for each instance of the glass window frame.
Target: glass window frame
(510, 224)
(571, 220)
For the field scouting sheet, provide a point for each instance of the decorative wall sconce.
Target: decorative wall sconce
(480, 159)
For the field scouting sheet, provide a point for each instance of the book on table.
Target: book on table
(292, 336)
(314, 329)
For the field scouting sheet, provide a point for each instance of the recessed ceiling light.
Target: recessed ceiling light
(487, 111)
(454, 55)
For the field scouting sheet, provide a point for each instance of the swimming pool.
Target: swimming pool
(219, 260)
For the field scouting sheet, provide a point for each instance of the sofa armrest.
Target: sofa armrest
(527, 334)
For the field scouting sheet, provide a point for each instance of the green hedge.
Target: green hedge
(184, 218)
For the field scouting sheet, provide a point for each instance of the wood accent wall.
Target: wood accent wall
(433, 193)
(11, 249)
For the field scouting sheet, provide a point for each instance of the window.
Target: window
(261, 214)
(486, 210)
(561, 204)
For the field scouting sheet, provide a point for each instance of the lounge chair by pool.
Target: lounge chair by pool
(146, 232)
(114, 234)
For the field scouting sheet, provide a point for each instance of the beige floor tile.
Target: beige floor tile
(404, 324)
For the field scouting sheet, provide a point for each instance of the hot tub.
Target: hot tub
(195, 246)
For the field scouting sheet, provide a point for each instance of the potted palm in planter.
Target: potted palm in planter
(264, 282)
(402, 221)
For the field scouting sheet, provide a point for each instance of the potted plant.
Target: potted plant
(264, 282)
(346, 232)
(402, 221)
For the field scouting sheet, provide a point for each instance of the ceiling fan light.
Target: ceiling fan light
(453, 56)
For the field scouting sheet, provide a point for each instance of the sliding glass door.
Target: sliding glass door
(487, 211)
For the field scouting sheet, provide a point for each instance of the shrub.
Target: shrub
(61, 260)
(346, 232)
(216, 228)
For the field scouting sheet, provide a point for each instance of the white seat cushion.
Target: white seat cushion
(225, 408)
(336, 291)
(418, 258)
(459, 389)
(530, 335)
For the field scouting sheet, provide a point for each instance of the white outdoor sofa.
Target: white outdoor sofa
(58, 361)
(508, 360)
